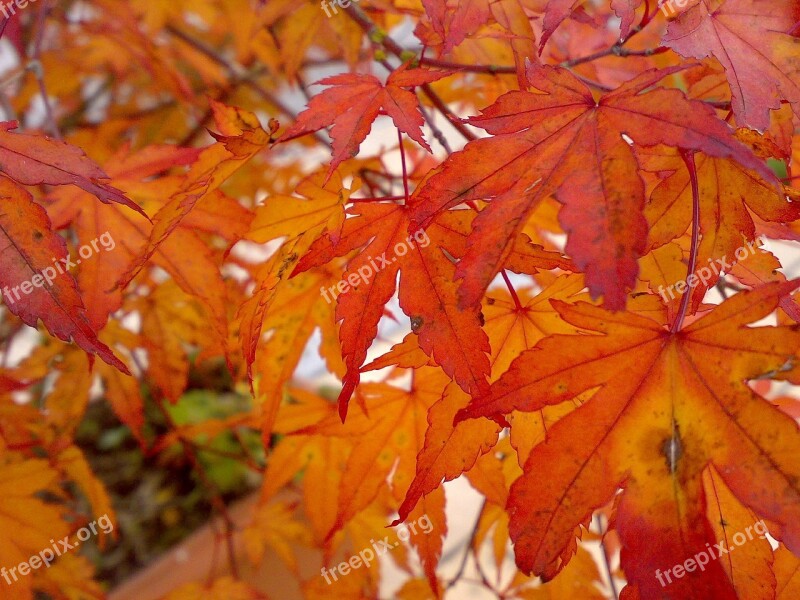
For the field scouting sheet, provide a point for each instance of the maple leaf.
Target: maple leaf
(170, 319)
(452, 337)
(451, 25)
(558, 10)
(363, 97)
(276, 309)
(242, 138)
(451, 449)
(395, 420)
(187, 259)
(580, 578)
(750, 569)
(302, 221)
(76, 468)
(31, 249)
(32, 159)
(576, 147)
(454, 24)
(555, 12)
(519, 255)
(787, 573)
(727, 229)
(752, 40)
(666, 406)
(448, 450)
(273, 526)
(761, 267)
(316, 456)
(72, 575)
(28, 522)
(654, 426)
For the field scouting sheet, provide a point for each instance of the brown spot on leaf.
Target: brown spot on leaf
(672, 449)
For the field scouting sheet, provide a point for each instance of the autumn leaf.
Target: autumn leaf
(540, 254)
(31, 251)
(75, 467)
(750, 570)
(380, 233)
(128, 170)
(726, 227)
(364, 96)
(242, 138)
(31, 160)
(787, 572)
(391, 448)
(454, 24)
(652, 430)
(753, 41)
(577, 150)
(29, 522)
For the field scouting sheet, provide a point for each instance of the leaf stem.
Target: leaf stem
(403, 161)
(511, 290)
(688, 158)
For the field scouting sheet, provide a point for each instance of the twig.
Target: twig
(615, 50)
(238, 71)
(453, 66)
(437, 133)
(190, 452)
(457, 577)
(379, 37)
